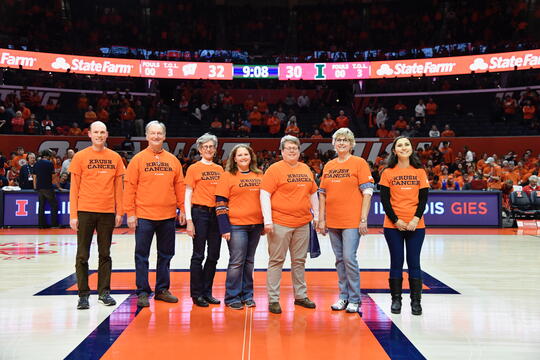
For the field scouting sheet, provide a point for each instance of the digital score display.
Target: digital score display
(324, 71)
(256, 71)
(186, 70)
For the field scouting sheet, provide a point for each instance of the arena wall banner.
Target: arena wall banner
(452, 208)
(368, 148)
(463, 208)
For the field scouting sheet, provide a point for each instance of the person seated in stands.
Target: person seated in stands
(409, 132)
(431, 110)
(89, 116)
(303, 101)
(255, 118)
(244, 129)
(26, 112)
(434, 132)
(401, 123)
(292, 129)
(75, 130)
(216, 126)
(17, 123)
(447, 132)
(47, 125)
(13, 176)
(506, 189)
(262, 105)
(492, 174)
(450, 184)
(466, 182)
(274, 125)
(63, 183)
(478, 182)
(509, 108)
(394, 133)
(249, 103)
(400, 109)
(32, 126)
(316, 134)
(420, 111)
(532, 185)
(342, 121)
(435, 183)
(328, 126)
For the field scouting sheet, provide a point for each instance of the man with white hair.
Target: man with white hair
(492, 174)
(532, 186)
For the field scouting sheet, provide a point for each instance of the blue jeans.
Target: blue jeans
(242, 247)
(206, 232)
(165, 237)
(345, 245)
(397, 241)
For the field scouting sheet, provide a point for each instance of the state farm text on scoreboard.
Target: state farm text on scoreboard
(324, 71)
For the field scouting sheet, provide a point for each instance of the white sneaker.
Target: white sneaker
(353, 308)
(339, 305)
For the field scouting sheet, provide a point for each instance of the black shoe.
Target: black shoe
(416, 295)
(83, 303)
(305, 302)
(212, 300)
(236, 305)
(200, 301)
(143, 300)
(106, 299)
(395, 291)
(166, 296)
(274, 308)
(249, 303)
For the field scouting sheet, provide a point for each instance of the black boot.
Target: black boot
(395, 290)
(416, 295)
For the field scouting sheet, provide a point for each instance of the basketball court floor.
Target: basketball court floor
(481, 300)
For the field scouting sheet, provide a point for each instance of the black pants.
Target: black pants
(47, 194)
(103, 224)
(206, 232)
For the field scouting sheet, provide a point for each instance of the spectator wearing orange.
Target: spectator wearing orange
(292, 129)
(447, 153)
(19, 159)
(393, 132)
(316, 134)
(127, 119)
(102, 115)
(328, 126)
(447, 132)
(249, 103)
(404, 192)
(90, 116)
(154, 191)
(273, 124)
(509, 108)
(103, 101)
(342, 121)
(382, 132)
(344, 202)
(492, 174)
(25, 111)
(400, 108)
(431, 109)
(288, 195)
(262, 105)
(315, 162)
(82, 103)
(256, 119)
(96, 204)
(47, 125)
(74, 130)
(202, 225)
(401, 123)
(480, 164)
(216, 125)
(240, 219)
(529, 111)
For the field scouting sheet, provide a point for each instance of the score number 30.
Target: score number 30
(292, 71)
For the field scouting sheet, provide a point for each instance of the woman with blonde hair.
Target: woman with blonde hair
(240, 222)
(344, 201)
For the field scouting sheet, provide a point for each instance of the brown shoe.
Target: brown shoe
(305, 302)
(274, 308)
(142, 300)
(166, 296)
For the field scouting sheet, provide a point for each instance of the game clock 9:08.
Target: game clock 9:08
(256, 71)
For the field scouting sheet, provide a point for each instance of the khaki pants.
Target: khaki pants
(296, 240)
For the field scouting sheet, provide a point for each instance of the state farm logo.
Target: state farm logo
(428, 68)
(93, 66)
(13, 60)
(189, 69)
(505, 63)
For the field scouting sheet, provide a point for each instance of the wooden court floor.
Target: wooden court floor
(481, 300)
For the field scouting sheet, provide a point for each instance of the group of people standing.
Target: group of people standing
(240, 203)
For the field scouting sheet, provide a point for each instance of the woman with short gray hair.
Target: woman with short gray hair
(202, 225)
(344, 202)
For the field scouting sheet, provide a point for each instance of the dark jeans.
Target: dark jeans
(165, 237)
(242, 247)
(103, 223)
(47, 194)
(206, 232)
(413, 241)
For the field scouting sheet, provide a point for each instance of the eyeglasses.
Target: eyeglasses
(290, 148)
(207, 147)
(342, 140)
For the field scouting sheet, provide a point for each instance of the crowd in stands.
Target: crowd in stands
(265, 30)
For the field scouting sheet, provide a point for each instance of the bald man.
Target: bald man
(95, 198)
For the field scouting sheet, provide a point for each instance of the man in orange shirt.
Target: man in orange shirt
(95, 202)
(492, 173)
(288, 195)
(154, 192)
(342, 121)
(448, 132)
(447, 153)
(274, 124)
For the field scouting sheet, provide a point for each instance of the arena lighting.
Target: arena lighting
(456, 65)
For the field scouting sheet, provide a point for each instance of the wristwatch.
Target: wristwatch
(363, 220)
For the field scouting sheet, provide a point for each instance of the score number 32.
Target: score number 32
(216, 71)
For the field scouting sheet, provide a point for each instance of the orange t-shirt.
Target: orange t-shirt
(19, 160)
(340, 182)
(493, 171)
(203, 179)
(431, 109)
(97, 171)
(243, 192)
(273, 124)
(342, 121)
(155, 185)
(405, 185)
(290, 188)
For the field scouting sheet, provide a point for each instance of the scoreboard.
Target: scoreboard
(186, 70)
(324, 71)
